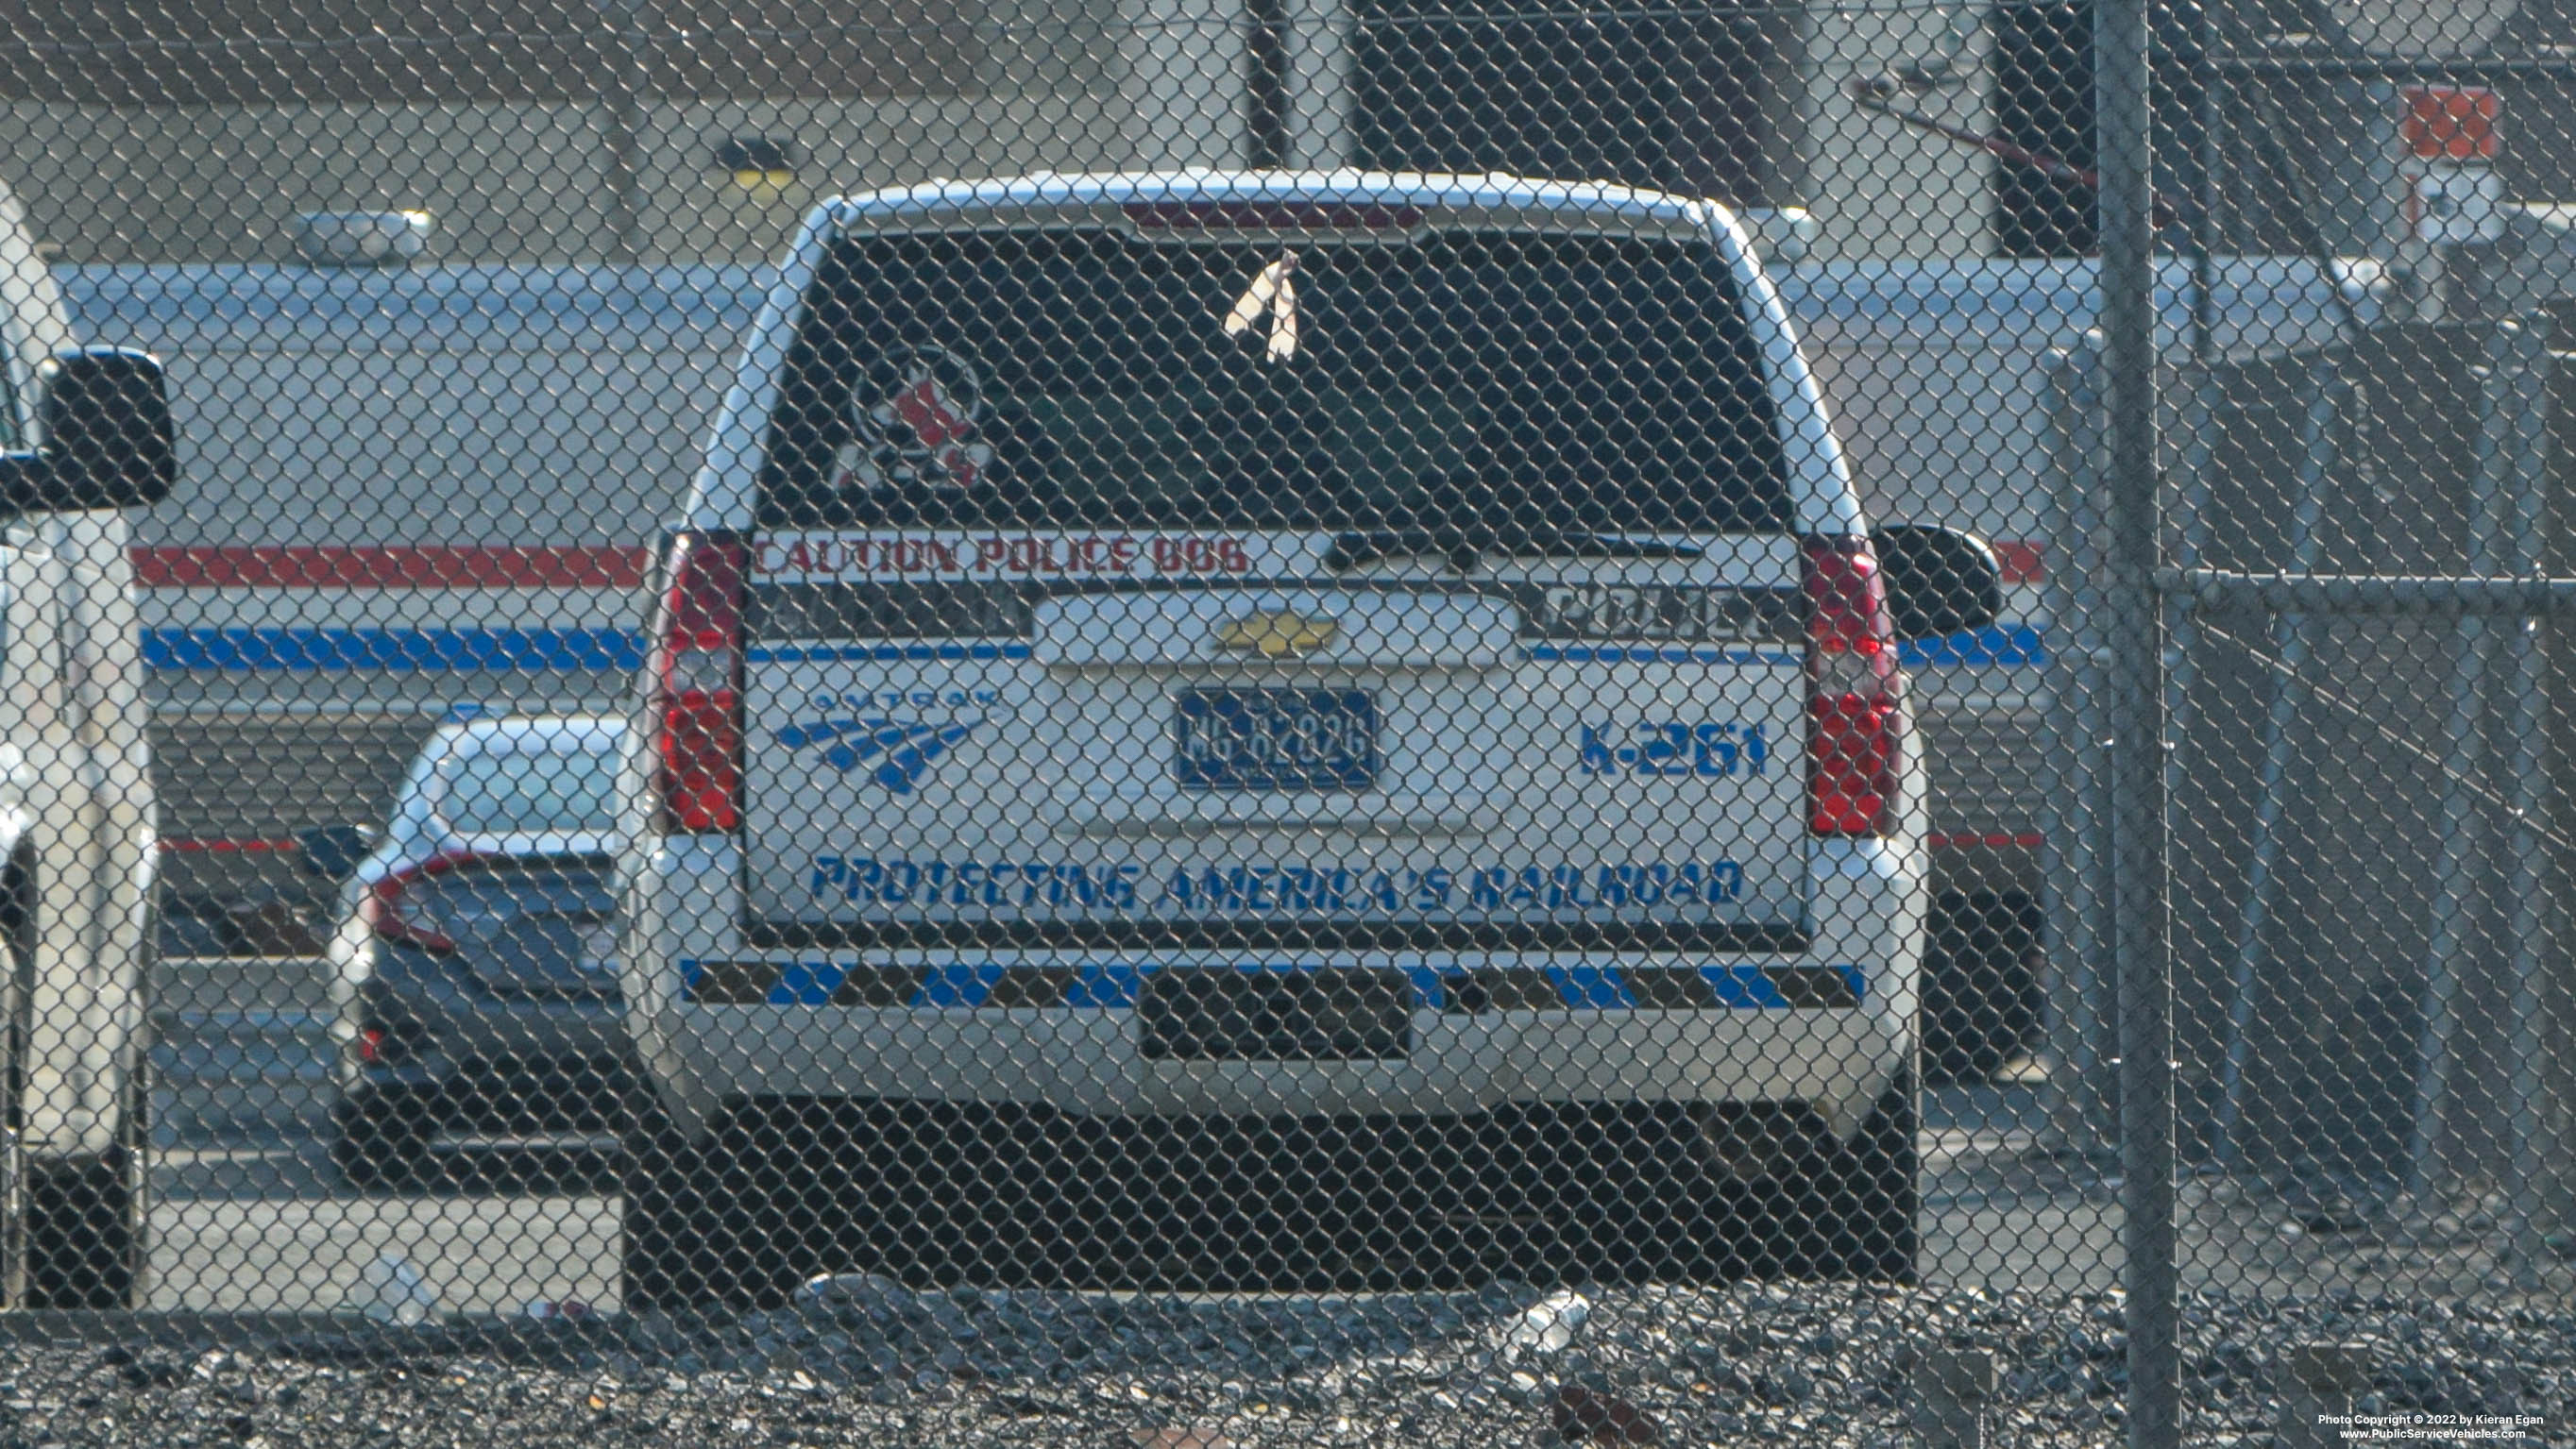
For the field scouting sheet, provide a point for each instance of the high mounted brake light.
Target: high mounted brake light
(1855, 704)
(697, 687)
(1270, 216)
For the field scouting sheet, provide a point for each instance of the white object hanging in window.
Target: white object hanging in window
(1273, 291)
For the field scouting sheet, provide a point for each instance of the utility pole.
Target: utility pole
(620, 97)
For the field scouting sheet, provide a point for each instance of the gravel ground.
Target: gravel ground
(863, 1361)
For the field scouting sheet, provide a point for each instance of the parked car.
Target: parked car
(1216, 730)
(475, 983)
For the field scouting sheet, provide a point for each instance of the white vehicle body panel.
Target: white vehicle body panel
(76, 800)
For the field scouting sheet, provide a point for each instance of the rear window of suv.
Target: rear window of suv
(530, 792)
(1503, 380)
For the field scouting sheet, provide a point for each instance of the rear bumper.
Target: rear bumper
(1092, 1062)
(441, 1029)
(1868, 922)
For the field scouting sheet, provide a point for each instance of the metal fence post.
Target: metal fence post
(2071, 828)
(2140, 924)
(13, 1218)
(2462, 817)
(2319, 432)
(2526, 385)
(2511, 441)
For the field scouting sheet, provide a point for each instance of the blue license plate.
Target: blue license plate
(1275, 739)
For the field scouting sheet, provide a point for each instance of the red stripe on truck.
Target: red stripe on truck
(309, 566)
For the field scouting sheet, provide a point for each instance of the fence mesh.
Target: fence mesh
(1181, 725)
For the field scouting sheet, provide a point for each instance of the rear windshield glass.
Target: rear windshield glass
(540, 792)
(1487, 380)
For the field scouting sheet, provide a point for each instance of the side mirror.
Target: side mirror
(108, 439)
(331, 852)
(1939, 580)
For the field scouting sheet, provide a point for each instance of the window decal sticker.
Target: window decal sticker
(914, 421)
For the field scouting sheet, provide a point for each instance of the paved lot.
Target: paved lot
(249, 1217)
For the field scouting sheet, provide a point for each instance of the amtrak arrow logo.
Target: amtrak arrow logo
(904, 749)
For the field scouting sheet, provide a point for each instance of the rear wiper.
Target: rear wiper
(1350, 550)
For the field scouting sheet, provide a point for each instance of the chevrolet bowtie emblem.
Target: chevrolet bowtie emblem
(1276, 635)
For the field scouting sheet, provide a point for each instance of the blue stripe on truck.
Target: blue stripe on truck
(401, 651)
(439, 651)
(2004, 645)
(1114, 985)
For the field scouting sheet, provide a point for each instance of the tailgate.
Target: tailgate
(1084, 739)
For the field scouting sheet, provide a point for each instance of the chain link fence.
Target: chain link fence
(1174, 725)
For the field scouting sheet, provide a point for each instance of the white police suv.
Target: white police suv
(1269, 730)
(86, 436)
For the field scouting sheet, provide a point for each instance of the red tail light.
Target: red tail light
(388, 912)
(697, 687)
(1856, 710)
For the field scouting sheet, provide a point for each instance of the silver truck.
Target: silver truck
(85, 434)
